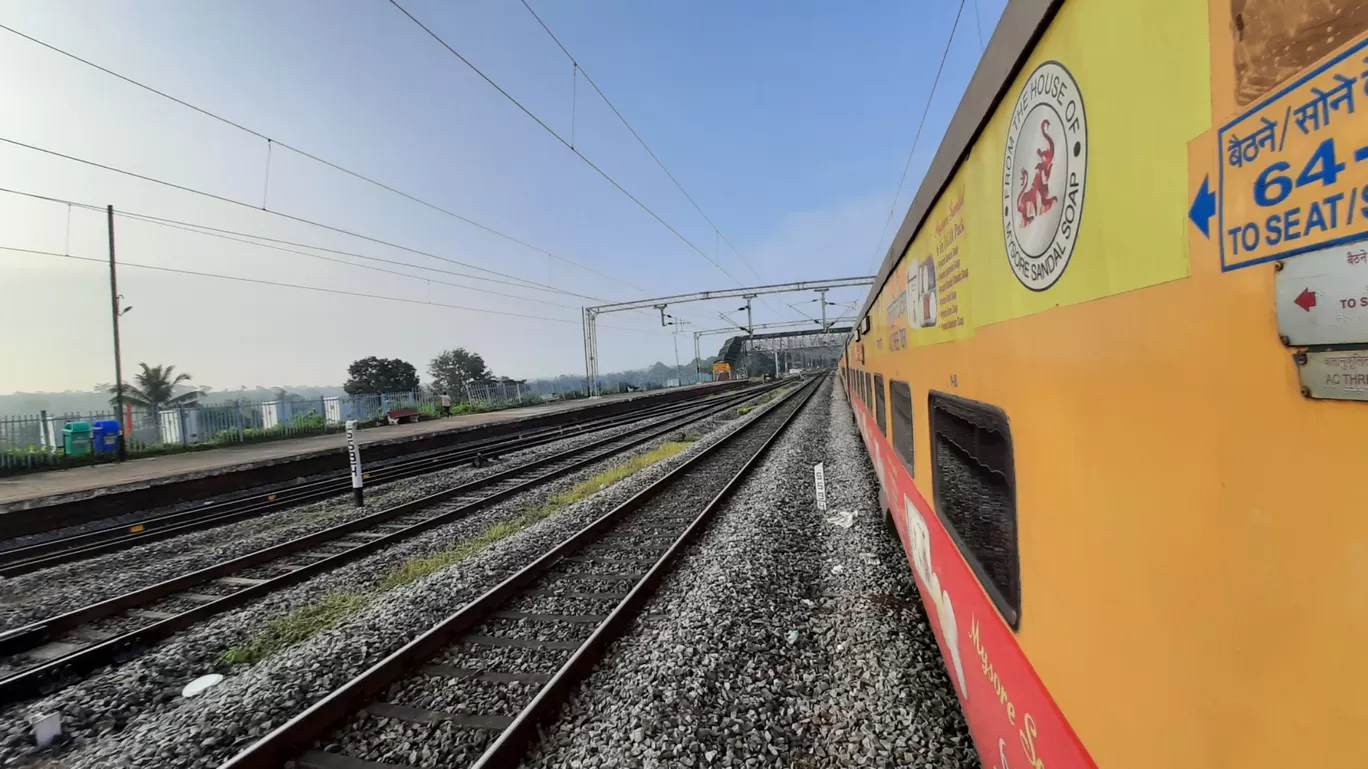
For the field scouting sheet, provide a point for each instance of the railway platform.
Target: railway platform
(64, 487)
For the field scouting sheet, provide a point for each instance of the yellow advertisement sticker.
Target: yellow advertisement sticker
(1076, 188)
(932, 290)
(1083, 148)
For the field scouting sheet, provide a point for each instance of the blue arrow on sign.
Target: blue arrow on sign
(1203, 207)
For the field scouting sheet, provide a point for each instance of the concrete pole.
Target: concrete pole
(698, 359)
(588, 355)
(679, 376)
(122, 453)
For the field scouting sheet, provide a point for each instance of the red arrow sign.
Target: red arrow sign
(1306, 299)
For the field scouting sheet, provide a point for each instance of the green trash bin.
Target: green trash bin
(76, 437)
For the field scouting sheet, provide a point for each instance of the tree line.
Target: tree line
(160, 387)
(156, 387)
(451, 371)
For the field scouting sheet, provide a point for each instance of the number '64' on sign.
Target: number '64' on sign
(1273, 185)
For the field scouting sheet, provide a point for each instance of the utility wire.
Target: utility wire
(580, 69)
(926, 110)
(562, 140)
(301, 287)
(272, 142)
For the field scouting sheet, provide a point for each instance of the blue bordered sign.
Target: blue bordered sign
(1293, 168)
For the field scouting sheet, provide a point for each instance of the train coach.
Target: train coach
(1112, 376)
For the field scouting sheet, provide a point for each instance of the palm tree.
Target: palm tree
(155, 389)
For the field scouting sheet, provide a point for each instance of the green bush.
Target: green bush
(226, 436)
(22, 452)
(311, 420)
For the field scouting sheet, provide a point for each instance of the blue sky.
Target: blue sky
(788, 124)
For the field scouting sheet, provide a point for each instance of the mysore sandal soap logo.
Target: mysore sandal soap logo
(1044, 172)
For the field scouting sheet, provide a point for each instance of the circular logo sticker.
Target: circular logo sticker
(1044, 172)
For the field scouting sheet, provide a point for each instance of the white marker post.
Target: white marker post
(46, 728)
(819, 475)
(354, 457)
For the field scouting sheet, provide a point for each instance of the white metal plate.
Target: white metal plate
(1322, 296)
(46, 728)
(201, 685)
(1336, 375)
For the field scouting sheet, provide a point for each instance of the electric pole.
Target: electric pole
(115, 311)
(679, 372)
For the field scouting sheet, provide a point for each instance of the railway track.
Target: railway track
(39, 657)
(472, 690)
(24, 560)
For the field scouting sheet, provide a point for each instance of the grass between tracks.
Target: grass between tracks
(302, 623)
(745, 409)
(296, 626)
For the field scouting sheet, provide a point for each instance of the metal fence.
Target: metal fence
(37, 442)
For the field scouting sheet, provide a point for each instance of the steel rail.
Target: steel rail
(30, 558)
(37, 680)
(289, 740)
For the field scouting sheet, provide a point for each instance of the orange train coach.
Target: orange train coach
(1112, 377)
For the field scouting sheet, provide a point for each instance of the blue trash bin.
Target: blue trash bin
(104, 436)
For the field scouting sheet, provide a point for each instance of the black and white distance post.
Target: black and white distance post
(354, 457)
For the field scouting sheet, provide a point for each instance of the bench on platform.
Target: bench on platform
(397, 416)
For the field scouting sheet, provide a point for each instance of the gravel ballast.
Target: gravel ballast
(133, 716)
(426, 745)
(780, 640)
(36, 596)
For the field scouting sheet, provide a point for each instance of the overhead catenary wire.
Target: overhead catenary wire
(978, 25)
(281, 214)
(243, 237)
(579, 68)
(273, 142)
(164, 220)
(252, 239)
(335, 260)
(917, 139)
(278, 244)
(321, 289)
(246, 238)
(804, 314)
(563, 141)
